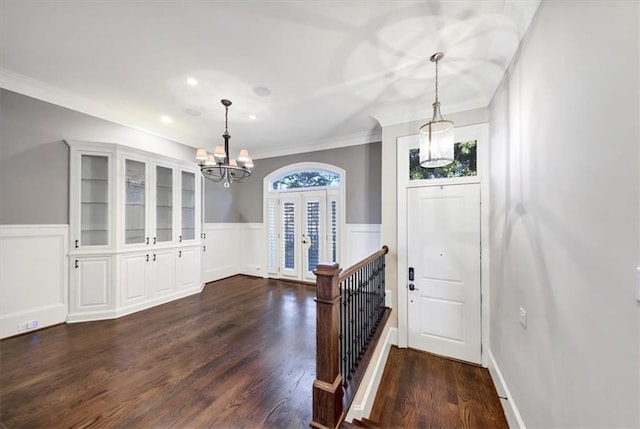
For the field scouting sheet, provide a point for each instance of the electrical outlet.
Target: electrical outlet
(32, 324)
(22, 326)
(523, 318)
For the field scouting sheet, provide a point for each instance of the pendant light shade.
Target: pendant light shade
(436, 136)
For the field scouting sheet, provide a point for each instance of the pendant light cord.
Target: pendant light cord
(436, 80)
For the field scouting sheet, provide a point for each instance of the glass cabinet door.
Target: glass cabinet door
(135, 199)
(188, 184)
(94, 200)
(164, 204)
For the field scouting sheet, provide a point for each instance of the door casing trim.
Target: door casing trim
(480, 133)
(268, 193)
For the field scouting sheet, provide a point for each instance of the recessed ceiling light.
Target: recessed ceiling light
(252, 117)
(262, 91)
(192, 112)
(191, 81)
(166, 119)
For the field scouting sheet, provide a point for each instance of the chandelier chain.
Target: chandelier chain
(226, 119)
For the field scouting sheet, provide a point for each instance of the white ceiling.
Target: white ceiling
(336, 70)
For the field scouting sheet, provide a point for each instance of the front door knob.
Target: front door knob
(412, 286)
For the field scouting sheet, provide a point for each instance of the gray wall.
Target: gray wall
(34, 160)
(564, 217)
(362, 164)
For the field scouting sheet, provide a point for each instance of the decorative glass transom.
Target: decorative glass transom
(464, 163)
(306, 179)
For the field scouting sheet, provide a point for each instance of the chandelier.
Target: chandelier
(217, 166)
(436, 136)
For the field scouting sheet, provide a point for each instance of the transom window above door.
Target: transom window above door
(464, 163)
(306, 179)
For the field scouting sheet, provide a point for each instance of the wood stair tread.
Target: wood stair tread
(361, 423)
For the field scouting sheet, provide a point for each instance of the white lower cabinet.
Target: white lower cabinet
(90, 285)
(142, 280)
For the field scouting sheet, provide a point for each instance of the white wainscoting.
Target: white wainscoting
(361, 240)
(233, 248)
(34, 276)
(240, 248)
(254, 249)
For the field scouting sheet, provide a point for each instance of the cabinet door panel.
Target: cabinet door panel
(93, 281)
(188, 268)
(134, 277)
(135, 219)
(94, 200)
(164, 197)
(165, 272)
(188, 205)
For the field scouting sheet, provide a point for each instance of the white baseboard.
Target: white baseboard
(362, 406)
(221, 273)
(514, 419)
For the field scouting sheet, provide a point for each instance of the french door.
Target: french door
(303, 230)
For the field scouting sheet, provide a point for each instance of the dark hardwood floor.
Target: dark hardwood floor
(420, 390)
(241, 354)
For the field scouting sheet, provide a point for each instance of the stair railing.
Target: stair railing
(350, 307)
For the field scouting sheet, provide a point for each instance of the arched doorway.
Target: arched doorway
(303, 218)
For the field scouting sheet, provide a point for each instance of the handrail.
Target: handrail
(354, 268)
(350, 311)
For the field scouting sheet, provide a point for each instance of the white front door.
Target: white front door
(443, 255)
(303, 234)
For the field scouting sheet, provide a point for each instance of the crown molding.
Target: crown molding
(354, 139)
(37, 89)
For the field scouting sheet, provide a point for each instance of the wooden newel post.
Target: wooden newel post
(327, 387)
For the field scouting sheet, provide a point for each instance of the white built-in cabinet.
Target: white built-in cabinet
(135, 230)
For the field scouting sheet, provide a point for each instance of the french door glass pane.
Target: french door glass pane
(164, 204)
(135, 182)
(271, 232)
(188, 205)
(333, 219)
(288, 235)
(94, 200)
(313, 234)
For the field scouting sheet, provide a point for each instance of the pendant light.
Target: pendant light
(217, 166)
(436, 136)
